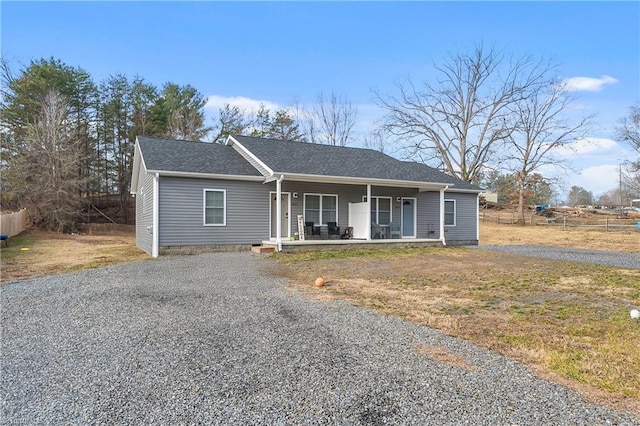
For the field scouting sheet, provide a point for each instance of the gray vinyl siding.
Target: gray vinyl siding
(466, 217)
(181, 212)
(144, 211)
(428, 215)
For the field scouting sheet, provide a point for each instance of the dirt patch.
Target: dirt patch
(445, 357)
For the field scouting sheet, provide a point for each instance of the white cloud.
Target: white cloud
(586, 146)
(588, 84)
(244, 104)
(599, 179)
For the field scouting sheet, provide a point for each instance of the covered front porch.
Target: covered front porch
(343, 213)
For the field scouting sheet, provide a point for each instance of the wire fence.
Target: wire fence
(603, 224)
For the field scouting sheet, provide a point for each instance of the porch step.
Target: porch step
(263, 249)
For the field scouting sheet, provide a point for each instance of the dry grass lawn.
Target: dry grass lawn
(627, 241)
(51, 253)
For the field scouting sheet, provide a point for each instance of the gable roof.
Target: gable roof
(170, 155)
(296, 160)
(289, 157)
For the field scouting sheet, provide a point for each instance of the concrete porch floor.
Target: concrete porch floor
(337, 244)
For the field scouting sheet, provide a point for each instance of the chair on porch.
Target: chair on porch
(376, 231)
(348, 233)
(311, 229)
(333, 229)
(394, 230)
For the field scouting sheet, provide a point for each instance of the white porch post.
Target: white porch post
(478, 219)
(444, 242)
(155, 220)
(279, 213)
(368, 212)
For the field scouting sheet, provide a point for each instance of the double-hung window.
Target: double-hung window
(320, 208)
(450, 212)
(215, 207)
(380, 210)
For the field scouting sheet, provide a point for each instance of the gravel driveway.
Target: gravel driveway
(598, 257)
(211, 339)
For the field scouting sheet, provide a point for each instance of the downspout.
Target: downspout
(444, 242)
(279, 213)
(155, 221)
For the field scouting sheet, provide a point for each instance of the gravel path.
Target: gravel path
(598, 257)
(209, 339)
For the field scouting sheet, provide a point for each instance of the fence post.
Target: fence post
(564, 223)
(606, 226)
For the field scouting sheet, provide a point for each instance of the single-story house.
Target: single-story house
(252, 191)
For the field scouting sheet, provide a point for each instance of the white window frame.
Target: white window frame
(204, 207)
(376, 199)
(455, 212)
(304, 206)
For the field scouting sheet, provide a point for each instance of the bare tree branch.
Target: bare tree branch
(457, 121)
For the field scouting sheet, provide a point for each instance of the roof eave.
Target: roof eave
(362, 181)
(172, 173)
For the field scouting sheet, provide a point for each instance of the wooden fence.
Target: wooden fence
(604, 224)
(13, 223)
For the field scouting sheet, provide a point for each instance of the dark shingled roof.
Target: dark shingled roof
(324, 160)
(193, 157)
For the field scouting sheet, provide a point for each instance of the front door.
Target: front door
(285, 215)
(408, 218)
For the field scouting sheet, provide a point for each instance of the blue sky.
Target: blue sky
(282, 52)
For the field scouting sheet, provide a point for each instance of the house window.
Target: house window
(320, 208)
(380, 210)
(215, 207)
(450, 212)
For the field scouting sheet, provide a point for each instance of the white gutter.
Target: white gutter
(444, 242)
(279, 213)
(301, 177)
(207, 175)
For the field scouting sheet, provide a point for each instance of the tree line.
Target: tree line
(67, 139)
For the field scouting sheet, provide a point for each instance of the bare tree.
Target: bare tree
(539, 129)
(454, 122)
(629, 129)
(49, 166)
(331, 120)
(375, 140)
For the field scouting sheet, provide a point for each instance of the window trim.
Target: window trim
(455, 212)
(304, 206)
(204, 207)
(377, 207)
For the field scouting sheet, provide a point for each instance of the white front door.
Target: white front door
(408, 218)
(285, 227)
